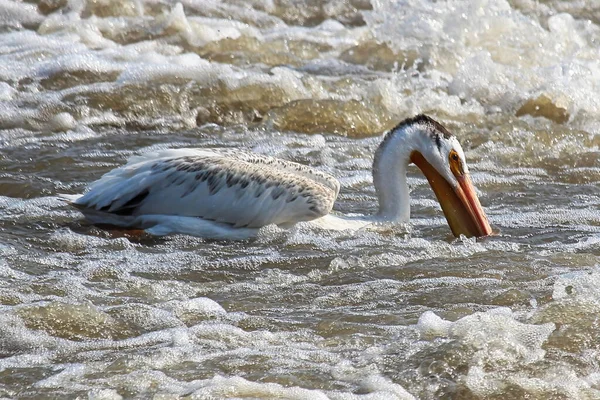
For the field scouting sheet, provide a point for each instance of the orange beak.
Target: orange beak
(461, 205)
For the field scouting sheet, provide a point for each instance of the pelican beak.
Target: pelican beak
(460, 204)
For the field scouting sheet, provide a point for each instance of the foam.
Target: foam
(430, 324)
(382, 388)
(104, 394)
(236, 387)
(72, 374)
(72, 130)
(85, 31)
(6, 272)
(584, 285)
(556, 381)
(493, 344)
(197, 31)
(31, 50)
(496, 337)
(256, 13)
(583, 217)
(25, 345)
(494, 53)
(16, 14)
(194, 310)
(6, 91)
(465, 72)
(303, 313)
(66, 240)
(28, 209)
(499, 346)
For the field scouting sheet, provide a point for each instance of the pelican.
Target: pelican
(230, 194)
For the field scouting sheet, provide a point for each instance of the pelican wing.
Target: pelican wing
(227, 186)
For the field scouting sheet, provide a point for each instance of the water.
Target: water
(400, 312)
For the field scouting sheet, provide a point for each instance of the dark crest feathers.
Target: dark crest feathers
(437, 128)
(424, 119)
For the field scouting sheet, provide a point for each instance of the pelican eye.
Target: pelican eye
(456, 165)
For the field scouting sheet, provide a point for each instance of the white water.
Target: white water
(397, 312)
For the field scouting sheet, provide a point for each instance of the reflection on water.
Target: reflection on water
(398, 312)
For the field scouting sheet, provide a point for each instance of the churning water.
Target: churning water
(401, 312)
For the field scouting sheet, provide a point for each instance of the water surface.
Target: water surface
(399, 312)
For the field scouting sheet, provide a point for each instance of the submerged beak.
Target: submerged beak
(460, 204)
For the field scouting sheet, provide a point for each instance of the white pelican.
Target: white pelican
(230, 194)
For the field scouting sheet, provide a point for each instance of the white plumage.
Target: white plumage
(223, 189)
(230, 194)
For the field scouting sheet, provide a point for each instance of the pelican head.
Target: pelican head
(439, 155)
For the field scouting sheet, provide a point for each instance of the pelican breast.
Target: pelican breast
(227, 186)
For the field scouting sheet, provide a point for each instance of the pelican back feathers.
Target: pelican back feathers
(226, 186)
